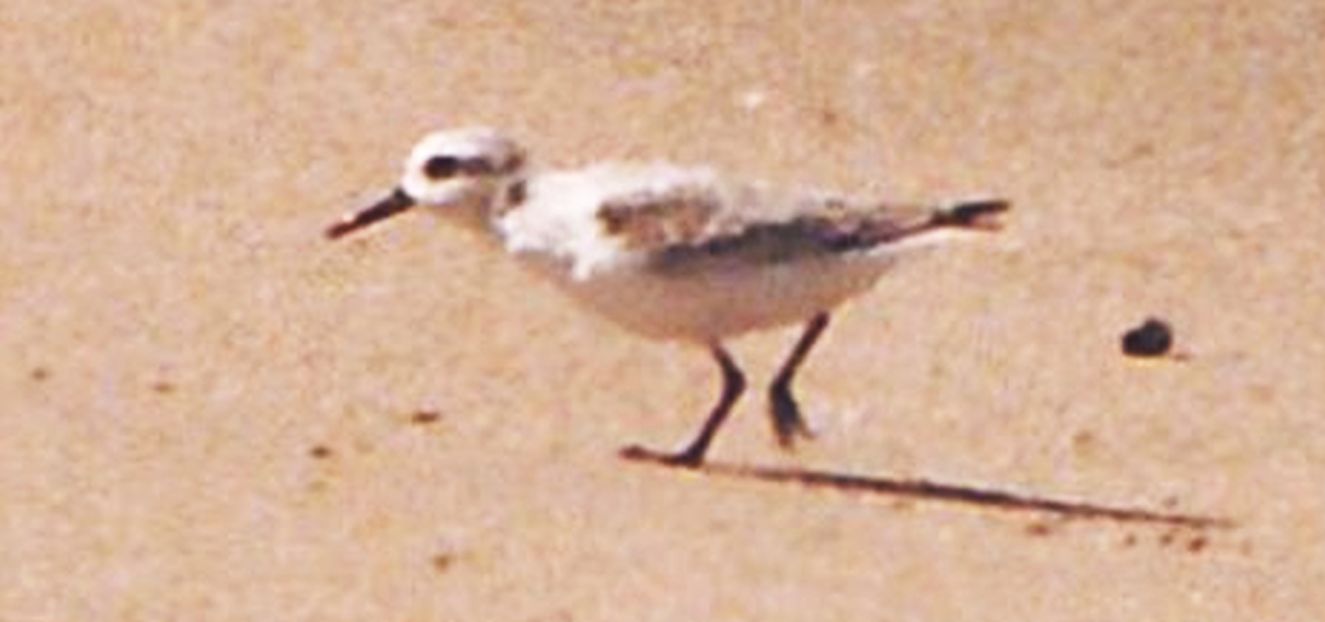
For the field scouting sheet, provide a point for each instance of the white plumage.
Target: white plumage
(674, 252)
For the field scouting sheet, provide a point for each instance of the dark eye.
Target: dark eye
(441, 167)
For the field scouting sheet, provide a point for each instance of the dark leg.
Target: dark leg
(733, 383)
(787, 420)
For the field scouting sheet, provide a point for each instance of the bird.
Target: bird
(676, 252)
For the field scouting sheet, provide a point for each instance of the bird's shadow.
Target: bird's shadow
(949, 493)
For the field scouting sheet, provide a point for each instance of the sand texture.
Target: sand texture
(210, 412)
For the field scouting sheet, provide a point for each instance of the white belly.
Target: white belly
(707, 306)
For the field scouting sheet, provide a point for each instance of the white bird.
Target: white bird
(674, 252)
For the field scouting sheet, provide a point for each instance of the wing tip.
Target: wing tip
(974, 214)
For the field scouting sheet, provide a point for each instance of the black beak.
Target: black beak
(392, 204)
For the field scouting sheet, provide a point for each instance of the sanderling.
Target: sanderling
(675, 252)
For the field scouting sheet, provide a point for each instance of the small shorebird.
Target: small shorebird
(675, 252)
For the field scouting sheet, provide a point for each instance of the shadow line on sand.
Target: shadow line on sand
(953, 493)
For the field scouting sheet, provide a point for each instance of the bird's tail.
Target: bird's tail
(926, 228)
(977, 214)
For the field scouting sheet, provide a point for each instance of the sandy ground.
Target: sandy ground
(212, 413)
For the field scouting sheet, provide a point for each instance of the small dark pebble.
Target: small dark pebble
(320, 452)
(163, 387)
(424, 417)
(1039, 529)
(40, 373)
(1153, 338)
(442, 561)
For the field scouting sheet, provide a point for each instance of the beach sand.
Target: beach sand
(210, 412)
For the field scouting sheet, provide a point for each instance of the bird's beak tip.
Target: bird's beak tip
(394, 203)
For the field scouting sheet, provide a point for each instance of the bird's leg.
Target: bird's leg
(733, 384)
(787, 420)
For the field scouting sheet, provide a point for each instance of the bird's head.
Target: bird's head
(466, 173)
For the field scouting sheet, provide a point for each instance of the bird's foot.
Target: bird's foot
(788, 424)
(687, 459)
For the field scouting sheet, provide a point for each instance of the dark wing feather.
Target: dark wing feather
(833, 232)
